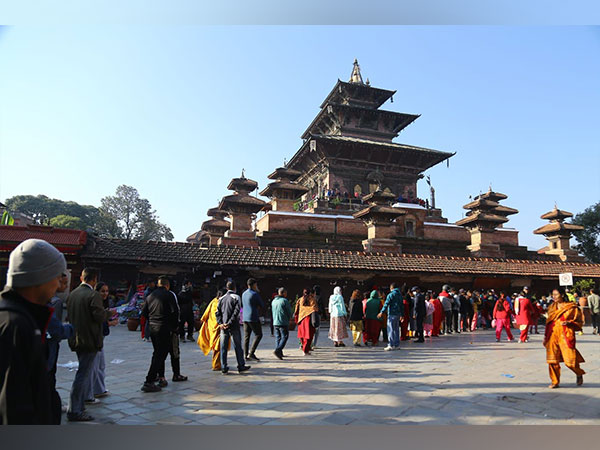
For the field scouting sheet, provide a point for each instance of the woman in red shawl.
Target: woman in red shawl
(404, 323)
(305, 307)
(564, 319)
(502, 314)
(438, 316)
(525, 313)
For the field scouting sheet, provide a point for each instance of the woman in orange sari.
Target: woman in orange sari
(564, 319)
(305, 307)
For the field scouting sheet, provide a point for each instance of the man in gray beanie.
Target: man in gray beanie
(34, 269)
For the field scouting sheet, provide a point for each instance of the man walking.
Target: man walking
(86, 313)
(34, 268)
(420, 310)
(160, 310)
(228, 318)
(394, 306)
(186, 311)
(594, 305)
(252, 304)
(282, 314)
(174, 351)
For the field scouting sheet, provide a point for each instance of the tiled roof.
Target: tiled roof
(59, 237)
(270, 257)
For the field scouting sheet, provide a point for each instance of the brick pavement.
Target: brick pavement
(458, 379)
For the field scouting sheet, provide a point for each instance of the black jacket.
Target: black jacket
(185, 300)
(356, 310)
(24, 385)
(228, 310)
(420, 308)
(160, 308)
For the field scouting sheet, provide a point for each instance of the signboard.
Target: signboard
(565, 279)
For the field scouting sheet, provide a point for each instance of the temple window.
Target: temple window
(409, 227)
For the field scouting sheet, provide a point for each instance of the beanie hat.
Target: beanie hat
(34, 262)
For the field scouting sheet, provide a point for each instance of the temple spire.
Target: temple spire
(356, 77)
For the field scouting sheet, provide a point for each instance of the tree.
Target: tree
(589, 237)
(43, 209)
(64, 221)
(134, 216)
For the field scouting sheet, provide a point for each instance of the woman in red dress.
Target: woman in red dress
(305, 307)
(502, 314)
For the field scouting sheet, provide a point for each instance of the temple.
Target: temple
(345, 210)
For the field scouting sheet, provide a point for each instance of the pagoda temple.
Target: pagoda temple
(558, 232)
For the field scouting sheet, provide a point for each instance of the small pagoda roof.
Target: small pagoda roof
(252, 204)
(379, 197)
(242, 185)
(558, 228)
(345, 92)
(216, 213)
(479, 203)
(493, 196)
(284, 186)
(505, 210)
(284, 173)
(388, 212)
(557, 214)
(482, 217)
(215, 223)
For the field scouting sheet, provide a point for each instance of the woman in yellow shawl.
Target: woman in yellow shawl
(209, 337)
(305, 307)
(564, 319)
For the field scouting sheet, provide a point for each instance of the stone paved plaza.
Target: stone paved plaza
(459, 379)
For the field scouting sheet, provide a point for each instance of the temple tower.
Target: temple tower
(348, 146)
(216, 227)
(242, 208)
(284, 191)
(379, 217)
(558, 233)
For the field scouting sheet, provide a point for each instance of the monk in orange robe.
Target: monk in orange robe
(564, 319)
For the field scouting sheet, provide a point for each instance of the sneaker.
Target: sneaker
(91, 401)
(151, 387)
(342, 344)
(420, 340)
(162, 382)
(225, 371)
(278, 355)
(103, 394)
(252, 357)
(179, 378)
(243, 369)
(395, 348)
(388, 348)
(81, 417)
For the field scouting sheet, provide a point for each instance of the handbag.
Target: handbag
(493, 323)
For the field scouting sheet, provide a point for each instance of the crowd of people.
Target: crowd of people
(32, 327)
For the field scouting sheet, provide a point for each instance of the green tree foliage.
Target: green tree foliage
(589, 238)
(43, 209)
(64, 221)
(584, 285)
(134, 216)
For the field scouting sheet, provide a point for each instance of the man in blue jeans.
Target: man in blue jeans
(282, 313)
(228, 318)
(394, 306)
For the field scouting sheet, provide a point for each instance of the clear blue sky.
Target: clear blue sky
(178, 111)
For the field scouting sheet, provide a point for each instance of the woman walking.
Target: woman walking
(306, 313)
(564, 319)
(428, 322)
(476, 305)
(356, 317)
(338, 314)
(502, 314)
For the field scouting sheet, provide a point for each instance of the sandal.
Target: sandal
(179, 378)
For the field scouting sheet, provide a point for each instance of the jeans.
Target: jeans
(81, 383)
(448, 322)
(97, 379)
(174, 354)
(249, 328)
(282, 334)
(419, 324)
(234, 333)
(316, 336)
(393, 331)
(595, 321)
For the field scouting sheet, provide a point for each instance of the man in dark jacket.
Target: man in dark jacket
(420, 310)
(85, 310)
(252, 304)
(186, 311)
(228, 318)
(34, 269)
(160, 309)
